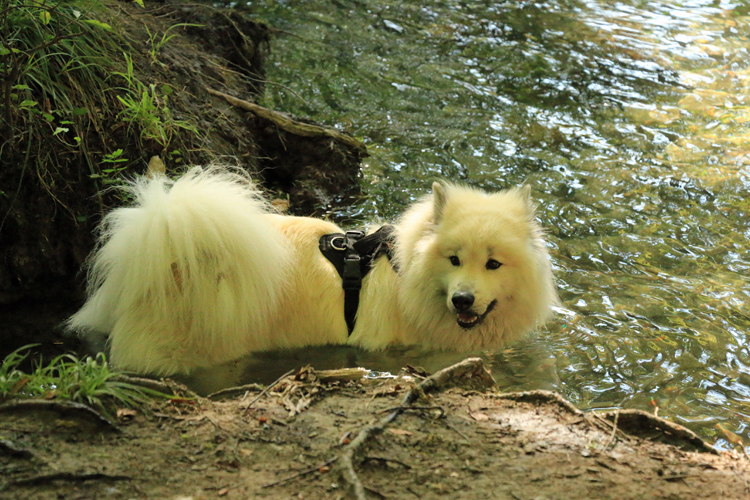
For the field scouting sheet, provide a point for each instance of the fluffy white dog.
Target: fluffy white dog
(199, 271)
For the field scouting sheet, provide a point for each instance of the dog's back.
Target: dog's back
(187, 276)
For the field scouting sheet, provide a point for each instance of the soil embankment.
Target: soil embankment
(318, 435)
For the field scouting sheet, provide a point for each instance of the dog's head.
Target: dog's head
(477, 271)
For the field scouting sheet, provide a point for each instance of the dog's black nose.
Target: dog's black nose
(463, 300)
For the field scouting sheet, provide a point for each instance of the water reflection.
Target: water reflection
(630, 121)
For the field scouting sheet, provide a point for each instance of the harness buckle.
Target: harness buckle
(340, 247)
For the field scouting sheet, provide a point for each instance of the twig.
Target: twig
(268, 387)
(302, 473)
(614, 430)
(415, 408)
(233, 391)
(447, 424)
(384, 459)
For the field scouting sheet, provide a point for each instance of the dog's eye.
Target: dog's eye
(493, 264)
(455, 260)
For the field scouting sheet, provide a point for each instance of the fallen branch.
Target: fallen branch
(292, 126)
(468, 372)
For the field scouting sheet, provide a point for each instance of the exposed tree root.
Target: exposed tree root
(60, 407)
(469, 372)
(292, 126)
(10, 448)
(541, 397)
(67, 476)
(645, 425)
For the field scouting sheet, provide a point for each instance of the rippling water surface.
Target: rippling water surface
(629, 119)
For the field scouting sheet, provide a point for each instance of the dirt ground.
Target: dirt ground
(318, 435)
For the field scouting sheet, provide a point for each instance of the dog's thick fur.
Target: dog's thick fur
(198, 271)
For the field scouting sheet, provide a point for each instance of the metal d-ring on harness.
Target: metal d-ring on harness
(353, 254)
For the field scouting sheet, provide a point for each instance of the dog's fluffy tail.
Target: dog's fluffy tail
(185, 277)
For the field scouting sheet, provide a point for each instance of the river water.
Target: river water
(629, 119)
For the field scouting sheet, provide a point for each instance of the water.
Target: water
(629, 119)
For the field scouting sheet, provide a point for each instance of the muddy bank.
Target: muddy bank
(59, 163)
(449, 436)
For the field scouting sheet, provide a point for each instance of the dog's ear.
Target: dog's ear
(524, 192)
(439, 197)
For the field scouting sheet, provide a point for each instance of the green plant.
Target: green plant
(148, 107)
(41, 44)
(111, 175)
(156, 45)
(88, 380)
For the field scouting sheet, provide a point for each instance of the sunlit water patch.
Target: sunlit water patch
(630, 121)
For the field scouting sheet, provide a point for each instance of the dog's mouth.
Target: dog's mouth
(469, 319)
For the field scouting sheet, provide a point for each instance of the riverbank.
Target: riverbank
(341, 434)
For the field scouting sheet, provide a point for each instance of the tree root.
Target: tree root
(60, 407)
(642, 424)
(541, 397)
(469, 372)
(67, 476)
(292, 126)
(10, 448)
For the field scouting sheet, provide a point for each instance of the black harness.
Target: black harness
(353, 254)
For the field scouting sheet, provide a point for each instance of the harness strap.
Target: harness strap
(353, 255)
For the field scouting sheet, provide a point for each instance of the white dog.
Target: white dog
(199, 271)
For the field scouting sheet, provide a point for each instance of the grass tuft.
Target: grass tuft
(89, 381)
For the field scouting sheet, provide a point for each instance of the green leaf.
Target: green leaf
(28, 104)
(60, 130)
(140, 3)
(20, 87)
(98, 24)
(45, 17)
(80, 111)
